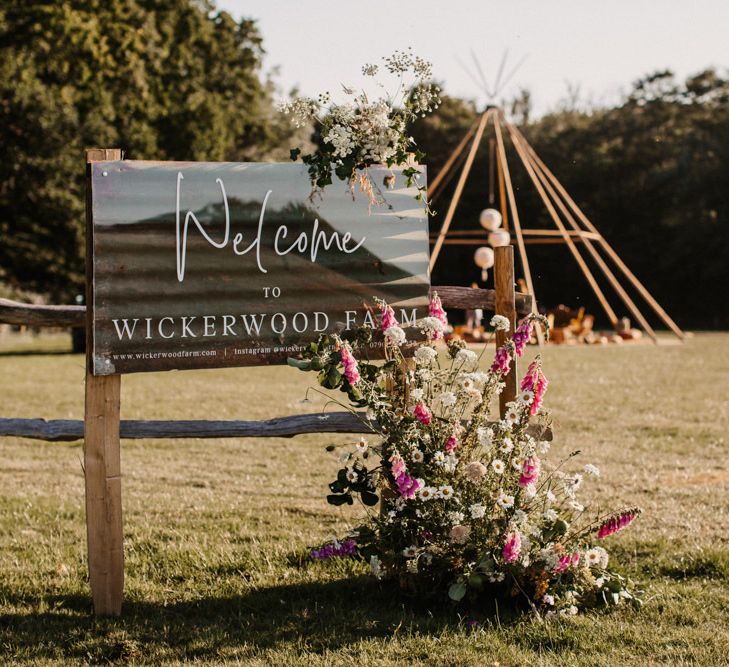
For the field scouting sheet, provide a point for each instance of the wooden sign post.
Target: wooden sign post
(102, 463)
(506, 306)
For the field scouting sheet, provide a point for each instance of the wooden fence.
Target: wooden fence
(102, 429)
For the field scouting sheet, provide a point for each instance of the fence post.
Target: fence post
(506, 306)
(102, 463)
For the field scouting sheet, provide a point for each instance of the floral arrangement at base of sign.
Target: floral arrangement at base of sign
(469, 506)
(362, 132)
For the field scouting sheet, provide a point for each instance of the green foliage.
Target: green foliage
(164, 80)
(652, 173)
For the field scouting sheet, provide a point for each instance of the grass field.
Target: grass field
(216, 531)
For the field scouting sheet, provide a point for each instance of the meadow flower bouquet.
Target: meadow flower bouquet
(362, 131)
(468, 505)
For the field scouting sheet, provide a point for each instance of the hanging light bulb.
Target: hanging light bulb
(484, 257)
(490, 219)
(499, 237)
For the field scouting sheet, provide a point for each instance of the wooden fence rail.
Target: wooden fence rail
(29, 314)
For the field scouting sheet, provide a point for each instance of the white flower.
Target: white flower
(544, 446)
(431, 326)
(417, 456)
(526, 397)
(512, 416)
(400, 504)
(450, 462)
(412, 566)
(395, 335)
(341, 138)
(410, 552)
(578, 507)
(506, 445)
(550, 497)
(498, 466)
(596, 557)
(576, 481)
(479, 378)
(448, 399)
(376, 566)
(456, 517)
(497, 577)
(416, 394)
(592, 470)
(517, 463)
(550, 515)
(505, 501)
(530, 490)
(362, 445)
(485, 436)
(466, 356)
(600, 582)
(500, 323)
(427, 492)
(352, 476)
(548, 600)
(425, 354)
(438, 457)
(477, 511)
(467, 383)
(445, 491)
(520, 516)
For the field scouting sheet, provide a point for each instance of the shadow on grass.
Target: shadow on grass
(318, 616)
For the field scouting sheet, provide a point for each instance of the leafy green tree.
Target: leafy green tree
(161, 79)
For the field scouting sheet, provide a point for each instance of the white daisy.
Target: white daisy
(362, 445)
(517, 463)
(467, 384)
(512, 416)
(498, 466)
(505, 501)
(410, 552)
(427, 493)
(352, 476)
(526, 397)
(438, 457)
(417, 456)
(507, 444)
(445, 491)
(596, 557)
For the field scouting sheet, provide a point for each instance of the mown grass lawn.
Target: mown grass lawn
(217, 531)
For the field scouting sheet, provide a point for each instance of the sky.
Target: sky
(599, 47)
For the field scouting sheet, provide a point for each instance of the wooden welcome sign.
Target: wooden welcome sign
(200, 265)
(207, 265)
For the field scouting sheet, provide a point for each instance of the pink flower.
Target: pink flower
(567, 561)
(407, 486)
(422, 413)
(522, 336)
(453, 440)
(536, 382)
(397, 466)
(512, 548)
(388, 317)
(530, 471)
(351, 370)
(435, 309)
(502, 359)
(617, 522)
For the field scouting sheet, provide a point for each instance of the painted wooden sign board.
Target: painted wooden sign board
(207, 265)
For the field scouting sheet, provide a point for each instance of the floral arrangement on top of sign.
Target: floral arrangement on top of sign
(362, 132)
(468, 505)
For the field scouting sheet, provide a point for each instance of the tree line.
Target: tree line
(177, 79)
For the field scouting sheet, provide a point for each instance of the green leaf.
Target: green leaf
(301, 364)
(339, 499)
(368, 498)
(294, 153)
(457, 591)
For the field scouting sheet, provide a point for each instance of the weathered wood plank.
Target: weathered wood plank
(506, 306)
(68, 430)
(454, 297)
(33, 315)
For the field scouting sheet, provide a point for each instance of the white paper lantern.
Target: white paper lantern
(498, 238)
(490, 219)
(484, 257)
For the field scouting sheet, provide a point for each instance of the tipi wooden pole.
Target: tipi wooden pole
(588, 242)
(502, 196)
(611, 252)
(445, 170)
(558, 222)
(505, 305)
(102, 462)
(515, 220)
(459, 190)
